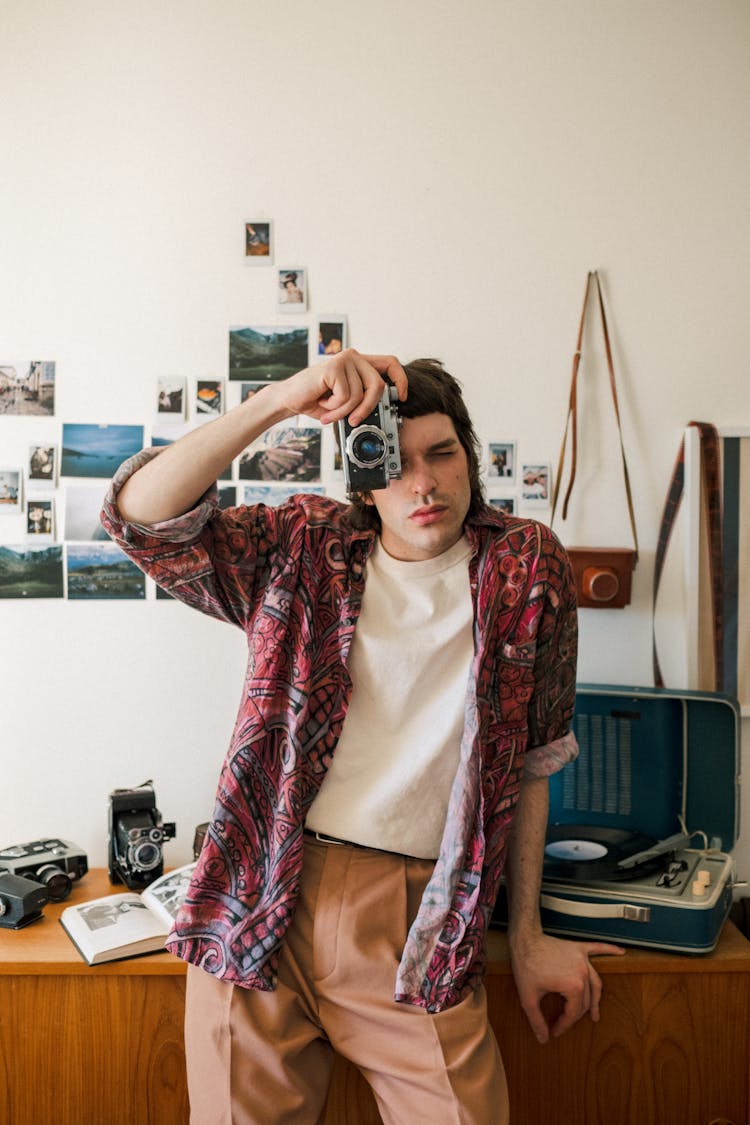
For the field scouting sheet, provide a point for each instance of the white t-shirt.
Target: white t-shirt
(390, 778)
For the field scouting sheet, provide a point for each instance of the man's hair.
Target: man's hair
(432, 390)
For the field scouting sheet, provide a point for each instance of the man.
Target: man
(410, 684)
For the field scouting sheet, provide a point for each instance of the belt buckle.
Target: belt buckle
(322, 839)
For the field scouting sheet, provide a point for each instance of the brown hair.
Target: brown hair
(432, 390)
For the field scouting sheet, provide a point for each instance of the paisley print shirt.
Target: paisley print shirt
(292, 577)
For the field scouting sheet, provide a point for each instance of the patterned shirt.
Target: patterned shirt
(292, 577)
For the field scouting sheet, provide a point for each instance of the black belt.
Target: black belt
(323, 839)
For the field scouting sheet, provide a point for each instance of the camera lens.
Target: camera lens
(144, 856)
(58, 884)
(367, 447)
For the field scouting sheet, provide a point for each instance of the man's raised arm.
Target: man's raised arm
(348, 384)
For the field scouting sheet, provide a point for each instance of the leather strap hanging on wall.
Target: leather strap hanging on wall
(603, 574)
(711, 489)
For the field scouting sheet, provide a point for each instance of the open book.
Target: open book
(125, 925)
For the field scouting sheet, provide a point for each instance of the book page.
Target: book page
(111, 923)
(166, 893)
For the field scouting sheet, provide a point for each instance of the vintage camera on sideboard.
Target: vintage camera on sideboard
(53, 863)
(136, 835)
(21, 900)
(370, 451)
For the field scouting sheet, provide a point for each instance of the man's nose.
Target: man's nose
(422, 479)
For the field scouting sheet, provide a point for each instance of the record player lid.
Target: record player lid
(649, 756)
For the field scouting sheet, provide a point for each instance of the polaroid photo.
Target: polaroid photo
(102, 570)
(97, 451)
(171, 398)
(332, 335)
(27, 387)
(501, 461)
(283, 453)
(292, 291)
(40, 518)
(536, 485)
(11, 491)
(209, 399)
(506, 504)
(259, 242)
(31, 570)
(247, 390)
(275, 494)
(267, 354)
(42, 464)
(83, 504)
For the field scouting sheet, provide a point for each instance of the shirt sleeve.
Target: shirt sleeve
(552, 743)
(215, 561)
(129, 536)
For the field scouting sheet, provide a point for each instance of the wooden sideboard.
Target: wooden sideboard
(103, 1045)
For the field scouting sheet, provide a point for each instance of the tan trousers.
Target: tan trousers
(265, 1058)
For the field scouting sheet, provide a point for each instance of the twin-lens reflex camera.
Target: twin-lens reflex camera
(370, 451)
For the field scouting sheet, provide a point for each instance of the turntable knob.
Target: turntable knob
(699, 888)
(704, 877)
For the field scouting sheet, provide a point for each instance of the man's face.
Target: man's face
(423, 513)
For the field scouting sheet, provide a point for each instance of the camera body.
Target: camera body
(21, 900)
(53, 863)
(370, 451)
(136, 835)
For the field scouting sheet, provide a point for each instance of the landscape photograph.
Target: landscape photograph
(101, 570)
(267, 354)
(31, 571)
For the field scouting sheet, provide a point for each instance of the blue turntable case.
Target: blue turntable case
(642, 824)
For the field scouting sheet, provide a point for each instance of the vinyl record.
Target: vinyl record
(580, 853)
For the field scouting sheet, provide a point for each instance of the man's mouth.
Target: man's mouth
(424, 516)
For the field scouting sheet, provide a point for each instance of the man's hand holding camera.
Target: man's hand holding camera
(348, 385)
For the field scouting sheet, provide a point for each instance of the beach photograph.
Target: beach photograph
(97, 451)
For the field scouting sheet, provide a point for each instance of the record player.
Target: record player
(642, 824)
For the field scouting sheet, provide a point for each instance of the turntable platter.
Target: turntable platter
(583, 853)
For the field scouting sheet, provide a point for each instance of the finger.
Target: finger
(595, 948)
(343, 394)
(572, 1011)
(359, 394)
(372, 385)
(596, 994)
(537, 1022)
(390, 366)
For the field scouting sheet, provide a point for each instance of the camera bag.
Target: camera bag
(602, 574)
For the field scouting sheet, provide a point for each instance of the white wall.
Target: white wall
(447, 174)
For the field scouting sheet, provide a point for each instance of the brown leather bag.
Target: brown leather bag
(603, 574)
